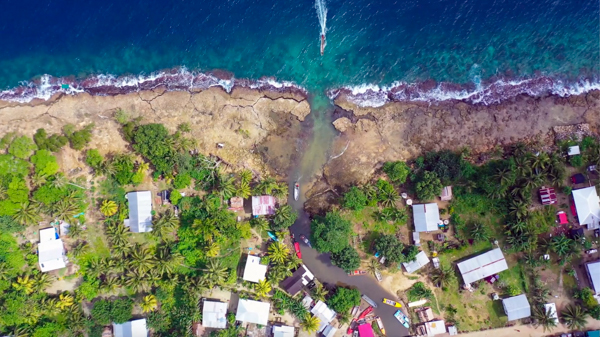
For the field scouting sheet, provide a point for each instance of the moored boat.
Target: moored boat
(365, 313)
(357, 272)
(392, 303)
(296, 191)
(401, 317)
(369, 300)
(380, 325)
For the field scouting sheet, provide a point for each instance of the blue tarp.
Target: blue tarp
(595, 333)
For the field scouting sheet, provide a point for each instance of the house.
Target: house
(140, 211)
(214, 315)
(446, 193)
(324, 314)
(307, 302)
(283, 331)
(236, 204)
(578, 178)
(562, 218)
(301, 277)
(593, 272)
(416, 238)
(547, 196)
(435, 328)
(516, 307)
(254, 271)
(419, 262)
(426, 217)
(365, 330)
(587, 206)
(263, 205)
(452, 331)
(574, 150)
(425, 314)
(136, 328)
(256, 312)
(329, 331)
(51, 251)
(483, 265)
(551, 308)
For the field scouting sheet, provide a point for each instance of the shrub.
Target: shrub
(429, 186)
(576, 160)
(344, 299)
(347, 259)
(175, 197)
(52, 143)
(419, 291)
(397, 171)
(22, 147)
(354, 199)
(182, 180)
(45, 163)
(79, 139)
(93, 158)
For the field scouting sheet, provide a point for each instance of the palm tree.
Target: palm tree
(215, 273)
(517, 226)
(561, 245)
(142, 258)
(28, 214)
(213, 249)
(293, 261)
(107, 168)
(118, 235)
(110, 283)
(3, 192)
(388, 195)
(65, 209)
(518, 209)
(65, 300)
(541, 161)
(261, 224)
(373, 267)
(480, 232)
(262, 288)
(310, 324)
(137, 281)
(344, 317)
(443, 276)
(244, 190)
(280, 191)
(278, 252)
(59, 181)
(166, 224)
(24, 284)
(42, 281)
(109, 208)
(319, 292)
(245, 176)
(284, 215)
(38, 180)
(266, 185)
(370, 191)
(279, 273)
(574, 317)
(149, 303)
(504, 176)
(226, 187)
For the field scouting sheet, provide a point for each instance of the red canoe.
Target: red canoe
(297, 249)
(365, 313)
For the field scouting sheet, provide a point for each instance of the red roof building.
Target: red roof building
(562, 218)
(547, 195)
(365, 330)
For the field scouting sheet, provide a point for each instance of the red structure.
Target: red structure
(547, 195)
(365, 330)
(562, 218)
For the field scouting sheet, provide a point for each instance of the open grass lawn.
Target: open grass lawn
(366, 226)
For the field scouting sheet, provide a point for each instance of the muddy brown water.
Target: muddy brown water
(316, 153)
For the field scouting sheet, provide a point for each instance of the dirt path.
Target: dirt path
(527, 330)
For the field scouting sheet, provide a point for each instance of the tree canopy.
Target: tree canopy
(344, 299)
(354, 199)
(330, 234)
(397, 171)
(347, 259)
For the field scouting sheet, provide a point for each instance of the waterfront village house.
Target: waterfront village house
(366, 330)
(136, 328)
(551, 308)
(419, 262)
(254, 271)
(432, 328)
(547, 196)
(263, 205)
(51, 251)
(283, 331)
(587, 206)
(593, 271)
(140, 211)
(329, 331)
(446, 193)
(301, 277)
(425, 314)
(426, 217)
(249, 311)
(516, 307)
(324, 314)
(482, 266)
(214, 315)
(236, 204)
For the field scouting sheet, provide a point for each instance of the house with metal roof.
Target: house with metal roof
(214, 315)
(249, 311)
(419, 262)
(587, 205)
(301, 277)
(140, 211)
(263, 205)
(254, 270)
(482, 266)
(593, 272)
(51, 251)
(329, 331)
(435, 328)
(323, 313)
(551, 309)
(136, 328)
(446, 193)
(283, 331)
(426, 217)
(516, 307)
(365, 330)
(547, 195)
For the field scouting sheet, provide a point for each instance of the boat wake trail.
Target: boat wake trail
(322, 14)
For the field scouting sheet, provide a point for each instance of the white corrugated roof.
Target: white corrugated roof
(516, 307)
(435, 327)
(593, 269)
(482, 266)
(214, 315)
(551, 308)
(587, 204)
(135, 328)
(426, 217)
(140, 211)
(283, 331)
(256, 312)
(420, 260)
(47, 234)
(325, 315)
(51, 255)
(329, 331)
(254, 271)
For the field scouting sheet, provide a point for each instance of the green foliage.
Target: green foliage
(445, 164)
(285, 216)
(80, 138)
(175, 197)
(119, 311)
(512, 290)
(429, 186)
(390, 247)
(17, 191)
(588, 142)
(347, 259)
(418, 292)
(182, 180)
(137, 178)
(9, 225)
(44, 163)
(150, 142)
(576, 160)
(51, 143)
(48, 194)
(93, 158)
(9, 165)
(586, 295)
(344, 299)
(397, 171)
(48, 330)
(22, 147)
(101, 312)
(121, 116)
(386, 193)
(89, 289)
(354, 199)
(123, 166)
(330, 234)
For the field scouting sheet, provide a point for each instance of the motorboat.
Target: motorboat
(401, 317)
(305, 239)
(357, 272)
(392, 303)
(369, 300)
(380, 325)
(296, 191)
(297, 249)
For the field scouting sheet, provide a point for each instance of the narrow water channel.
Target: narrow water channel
(307, 170)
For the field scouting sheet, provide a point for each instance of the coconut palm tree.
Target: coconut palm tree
(38, 180)
(480, 232)
(266, 185)
(65, 209)
(574, 317)
(142, 258)
(244, 190)
(278, 252)
(25, 284)
(137, 281)
(107, 168)
(518, 209)
(504, 176)
(42, 281)
(213, 249)
(374, 267)
(540, 162)
(280, 191)
(226, 186)
(388, 195)
(561, 245)
(261, 224)
(262, 288)
(310, 324)
(279, 273)
(443, 276)
(110, 283)
(165, 225)
(293, 261)
(118, 235)
(109, 208)
(65, 300)
(284, 216)
(59, 181)
(319, 292)
(245, 176)
(370, 191)
(28, 214)
(215, 273)
(149, 303)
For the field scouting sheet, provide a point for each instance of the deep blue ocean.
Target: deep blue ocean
(368, 41)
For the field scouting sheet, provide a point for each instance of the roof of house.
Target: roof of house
(435, 327)
(365, 330)
(562, 218)
(254, 271)
(263, 205)
(426, 217)
(446, 193)
(307, 301)
(578, 178)
(547, 196)
(283, 331)
(329, 331)
(482, 266)
(452, 331)
(587, 204)
(425, 314)
(420, 260)
(51, 251)
(516, 307)
(214, 314)
(236, 204)
(250, 311)
(325, 315)
(140, 211)
(574, 150)
(135, 328)
(416, 238)
(301, 277)
(551, 308)
(593, 270)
